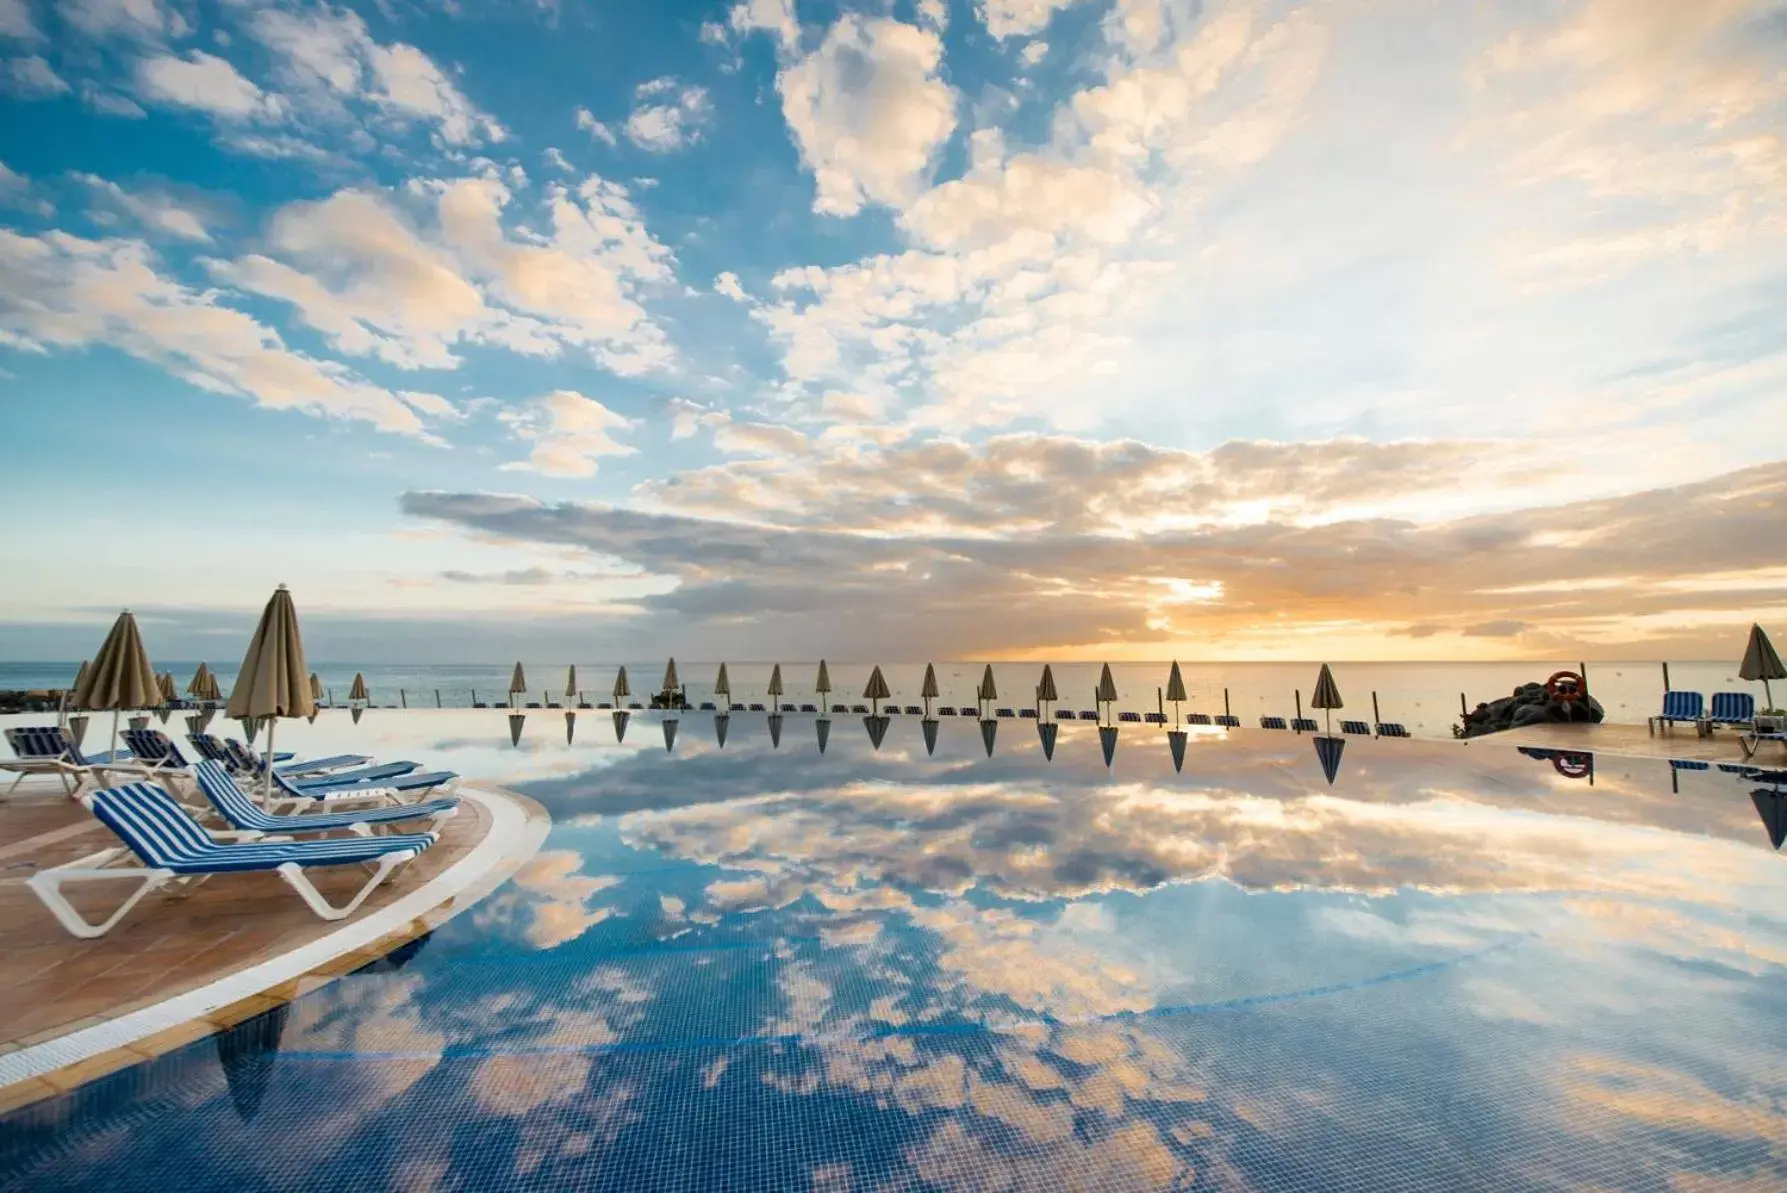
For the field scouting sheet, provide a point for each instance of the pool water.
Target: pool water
(763, 966)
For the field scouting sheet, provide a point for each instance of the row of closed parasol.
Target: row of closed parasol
(670, 692)
(271, 683)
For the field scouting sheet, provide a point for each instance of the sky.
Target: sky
(1127, 329)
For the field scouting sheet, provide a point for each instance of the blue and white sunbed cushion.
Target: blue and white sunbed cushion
(1682, 706)
(158, 830)
(229, 799)
(1732, 708)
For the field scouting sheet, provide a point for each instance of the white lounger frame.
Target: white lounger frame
(98, 867)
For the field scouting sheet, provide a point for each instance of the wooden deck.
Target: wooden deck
(1635, 741)
(52, 983)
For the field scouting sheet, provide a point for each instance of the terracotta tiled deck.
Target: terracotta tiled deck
(52, 983)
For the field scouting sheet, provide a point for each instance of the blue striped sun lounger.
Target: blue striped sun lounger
(1355, 728)
(1228, 722)
(174, 849)
(1198, 718)
(235, 806)
(49, 750)
(1679, 706)
(1304, 724)
(292, 796)
(1391, 729)
(1065, 714)
(1088, 715)
(239, 759)
(1732, 708)
(1272, 723)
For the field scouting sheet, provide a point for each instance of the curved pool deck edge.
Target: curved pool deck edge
(518, 826)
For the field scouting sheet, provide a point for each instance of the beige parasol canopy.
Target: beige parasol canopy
(201, 683)
(988, 690)
(929, 689)
(1761, 662)
(166, 688)
(622, 689)
(671, 683)
(722, 685)
(775, 681)
(517, 682)
(571, 680)
(876, 690)
(271, 682)
(316, 687)
(1107, 687)
(1175, 684)
(1327, 696)
(80, 676)
(1045, 691)
(119, 676)
(358, 691)
(823, 684)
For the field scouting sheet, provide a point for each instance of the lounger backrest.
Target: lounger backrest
(147, 819)
(154, 747)
(1686, 706)
(1271, 722)
(1689, 764)
(1392, 729)
(1355, 727)
(241, 756)
(1198, 718)
(1229, 722)
(1304, 724)
(208, 747)
(225, 796)
(1733, 706)
(39, 741)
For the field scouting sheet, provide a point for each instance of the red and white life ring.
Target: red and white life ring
(1566, 686)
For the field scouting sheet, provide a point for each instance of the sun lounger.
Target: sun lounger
(1732, 708)
(1355, 728)
(1753, 739)
(860, 709)
(1272, 723)
(240, 759)
(1027, 713)
(1679, 706)
(48, 750)
(1689, 764)
(1228, 722)
(1065, 714)
(1197, 718)
(173, 848)
(1305, 725)
(708, 706)
(840, 708)
(391, 788)
(1088, 714)
(1005, 712)
(1155, 718)
(165, 758)
(235, 806)
(815, 708)
(1391, 729)
(913, 710)
(757, 708)
(1130, 717)
(943, 710)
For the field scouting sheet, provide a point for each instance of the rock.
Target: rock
(1529, 704)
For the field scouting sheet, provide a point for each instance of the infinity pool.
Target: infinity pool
(762, 966)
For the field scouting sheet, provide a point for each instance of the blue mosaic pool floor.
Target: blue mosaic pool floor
(764, 968)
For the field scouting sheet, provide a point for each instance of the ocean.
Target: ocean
(1423, 696)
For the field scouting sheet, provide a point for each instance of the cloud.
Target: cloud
(727, 283)
(147, 21)
(1017, 18)
(331, 66)
(868, 111)
(154, 210)
(1011, 558)
(524, 577)
(357, 268)
(557, 160)
(1505, 628)
(65, 292)
(667, 115)
(586, 120)
(17, 191)
(31, 78)
(16, 22)
(570, 433)
(205, 83)
(775, 17)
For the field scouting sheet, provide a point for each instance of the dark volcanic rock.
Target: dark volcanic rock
(1529, 704)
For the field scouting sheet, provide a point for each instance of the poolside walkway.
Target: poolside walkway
(53, 987)
(1635, 741)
